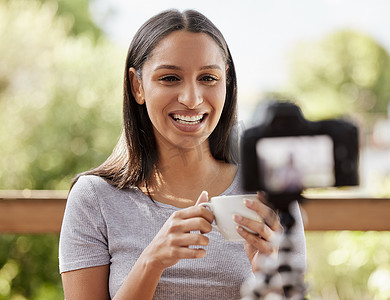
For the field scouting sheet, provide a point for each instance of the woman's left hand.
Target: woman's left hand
(261, 242)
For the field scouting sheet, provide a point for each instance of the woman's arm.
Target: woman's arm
(86, 284)
(92, 283)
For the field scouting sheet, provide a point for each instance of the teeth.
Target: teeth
(187, 119)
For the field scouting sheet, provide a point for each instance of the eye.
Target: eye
(209, 79)
(169, 78)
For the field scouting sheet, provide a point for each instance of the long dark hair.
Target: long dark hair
(135, 157)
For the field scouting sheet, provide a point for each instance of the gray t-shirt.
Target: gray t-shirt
(103, 225)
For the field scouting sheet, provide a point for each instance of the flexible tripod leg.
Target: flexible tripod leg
(279, 278)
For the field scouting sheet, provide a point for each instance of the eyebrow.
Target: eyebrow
(173, 67)
(211, 67)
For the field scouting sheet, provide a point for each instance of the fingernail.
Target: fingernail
(201, 254)
(248, 202)
(237, 218)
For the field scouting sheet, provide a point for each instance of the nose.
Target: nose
(190, 96)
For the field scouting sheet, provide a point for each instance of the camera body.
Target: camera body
(285, 153)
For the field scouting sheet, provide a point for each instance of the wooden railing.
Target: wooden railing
(31, 211)
(42, 212)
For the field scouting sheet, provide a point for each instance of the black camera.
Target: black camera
(285, 153)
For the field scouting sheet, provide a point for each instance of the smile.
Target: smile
(188, 120)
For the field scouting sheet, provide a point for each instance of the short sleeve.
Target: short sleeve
(83, 238)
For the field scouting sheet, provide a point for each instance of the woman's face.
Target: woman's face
(184, 87)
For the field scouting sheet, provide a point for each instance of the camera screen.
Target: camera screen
(290, 164)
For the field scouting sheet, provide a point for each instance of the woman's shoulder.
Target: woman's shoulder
(88, 180)
(97, 188)
(90, 183)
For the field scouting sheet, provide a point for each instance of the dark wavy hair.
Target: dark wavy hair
(135, 157)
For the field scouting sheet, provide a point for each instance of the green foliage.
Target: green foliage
(345, 72)
(29, 268)
(60, 112)
(348, 265)
(76, 13)
(60, 98)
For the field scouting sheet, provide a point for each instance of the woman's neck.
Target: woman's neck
(184, 173)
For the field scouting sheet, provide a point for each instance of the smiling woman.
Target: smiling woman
(133, 227)
(184, 89)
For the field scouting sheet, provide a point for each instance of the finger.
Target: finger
(188, 239)
(259, 227)
(260, 244)
(193, 212)
(192, 224)
(185, 252)
(176, 252)
(204, 197)
(266, 213)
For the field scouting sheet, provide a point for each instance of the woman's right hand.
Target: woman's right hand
(173, 240)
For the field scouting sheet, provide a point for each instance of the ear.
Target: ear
(136, 86)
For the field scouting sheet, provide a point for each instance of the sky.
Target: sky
(259, 33)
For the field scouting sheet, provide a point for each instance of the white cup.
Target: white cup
(224, 207)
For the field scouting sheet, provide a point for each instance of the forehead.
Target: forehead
(183, 47)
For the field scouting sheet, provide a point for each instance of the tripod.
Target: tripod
(279, 278)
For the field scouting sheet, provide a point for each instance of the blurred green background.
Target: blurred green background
(60, 112)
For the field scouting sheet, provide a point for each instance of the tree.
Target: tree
(78, 15)
(60, 98)
(60, 112)
(345, 72)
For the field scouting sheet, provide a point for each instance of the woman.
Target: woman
(132, 228)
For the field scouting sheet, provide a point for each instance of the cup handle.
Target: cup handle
(210, 206)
